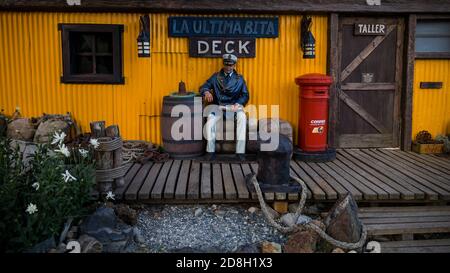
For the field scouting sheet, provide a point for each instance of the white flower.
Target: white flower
(83, 152)
(58, 138)
(110, 195)
(68, 177)
(35, 185)
(63, 149)
(94, 142)
(31, 208)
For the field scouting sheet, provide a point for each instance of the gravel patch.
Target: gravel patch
(204, 228)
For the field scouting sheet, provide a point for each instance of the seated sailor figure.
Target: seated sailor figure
(228, 90)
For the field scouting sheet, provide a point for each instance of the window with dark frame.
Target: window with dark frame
(433, 39)
(92, 53)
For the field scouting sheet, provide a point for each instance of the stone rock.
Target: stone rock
(113, 240)
(288, 219)
(103, 217)
(198, 212)
(137, 236)
(105, 235)
(253, 209)
(89, 244)
(303, 219)
(46, 129)
(21, 129)
(248, 248)
(126, 214)
(301, 242)
(43, 247)
(338, 250)
(220, 213)
(270, 247)
(342, 222)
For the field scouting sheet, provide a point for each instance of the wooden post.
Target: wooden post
(113, 131)
(280, 206)
(104, 161)
(407, 97)
(97, 129)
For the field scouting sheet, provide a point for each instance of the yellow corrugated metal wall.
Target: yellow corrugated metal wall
(431, 107)
(30, 70)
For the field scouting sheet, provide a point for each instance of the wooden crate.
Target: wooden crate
(427, 148)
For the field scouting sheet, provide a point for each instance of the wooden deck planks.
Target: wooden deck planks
(341, 191)
(239, 180)
(429, 161)
(313, 188)
(329, 191)
(395, 191)
(372, 191)
(426, 191)
(441, 188)
(131, 172)
(369, 174)
(169, 190)
(408, 192)
(217, 181)
(193, 190)
(136, 183)
(406, 158)
(180, 191)
(206, 191)
(230, 190)
(158, 188)
(144, 192)
(417, 168)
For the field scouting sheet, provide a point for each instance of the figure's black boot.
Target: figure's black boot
(240, 157)
(210, 156)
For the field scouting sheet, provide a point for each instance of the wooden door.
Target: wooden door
(369, 82)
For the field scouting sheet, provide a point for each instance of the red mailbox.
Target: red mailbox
(313, 121)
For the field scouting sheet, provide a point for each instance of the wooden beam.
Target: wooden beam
(333, 71)
(224, 6)
(365, 53)
(355, 86)
(363, 113)
(407, 98)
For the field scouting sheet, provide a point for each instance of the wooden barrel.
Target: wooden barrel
(183, 148)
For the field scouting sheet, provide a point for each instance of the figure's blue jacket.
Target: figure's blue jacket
(226, 91)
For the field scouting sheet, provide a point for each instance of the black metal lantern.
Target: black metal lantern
(143, 40)
(308, 42)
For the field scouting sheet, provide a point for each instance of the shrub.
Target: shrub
(36, 200)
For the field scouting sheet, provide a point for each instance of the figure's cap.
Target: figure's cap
(229, 59)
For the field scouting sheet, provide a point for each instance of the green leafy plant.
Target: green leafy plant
(446, 141)
(36, 199)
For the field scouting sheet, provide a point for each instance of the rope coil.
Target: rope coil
(309, 225)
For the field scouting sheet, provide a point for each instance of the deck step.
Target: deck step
(416, 246)
(406, 220)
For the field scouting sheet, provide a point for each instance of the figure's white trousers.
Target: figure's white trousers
(210, 128)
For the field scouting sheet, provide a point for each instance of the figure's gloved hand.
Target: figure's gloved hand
(208, 96)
